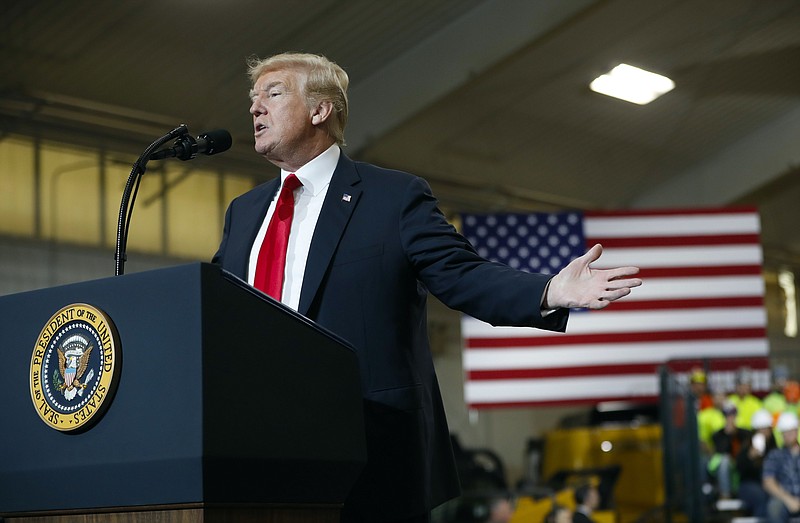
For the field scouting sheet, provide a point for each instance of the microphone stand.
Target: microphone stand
(129, 196)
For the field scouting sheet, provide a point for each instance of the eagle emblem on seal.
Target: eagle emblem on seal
(73, 359)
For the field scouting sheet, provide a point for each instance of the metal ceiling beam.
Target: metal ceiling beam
(446, 60)
(736, 171)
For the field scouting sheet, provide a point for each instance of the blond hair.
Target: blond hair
(325, 81)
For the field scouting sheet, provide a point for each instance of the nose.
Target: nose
(257, 108)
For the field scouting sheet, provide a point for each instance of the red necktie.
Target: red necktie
(272, 256)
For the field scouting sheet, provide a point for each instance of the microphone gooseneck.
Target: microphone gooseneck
(184, 148)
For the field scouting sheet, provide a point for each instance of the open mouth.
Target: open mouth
(260, 127)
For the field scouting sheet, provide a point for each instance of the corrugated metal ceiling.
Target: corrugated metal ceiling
(518, 127)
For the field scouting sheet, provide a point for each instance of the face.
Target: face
(564, 516)
(592, 498)
(743, 388)
(282, 122)
(698, 388)
(501, 512)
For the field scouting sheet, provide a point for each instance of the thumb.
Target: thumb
(593, 254)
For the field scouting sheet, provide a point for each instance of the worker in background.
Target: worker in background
(746, 403)
(775, 401)
(709, 421)
(698, 383)
(781, 473)
(728, 441)
(750, 464)
(587, 500)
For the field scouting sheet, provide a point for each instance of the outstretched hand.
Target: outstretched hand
(578, 285)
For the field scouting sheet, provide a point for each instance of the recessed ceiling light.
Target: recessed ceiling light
(632, 84)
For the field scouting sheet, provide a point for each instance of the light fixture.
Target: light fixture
(632, 84)
(786, 283)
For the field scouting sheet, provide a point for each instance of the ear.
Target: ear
(321, 112)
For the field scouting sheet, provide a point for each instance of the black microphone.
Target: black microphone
(186, 147)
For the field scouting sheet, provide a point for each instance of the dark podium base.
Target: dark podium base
(230, 408)
(193, 514)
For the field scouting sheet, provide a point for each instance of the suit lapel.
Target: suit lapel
(257, 208)
(340, 201)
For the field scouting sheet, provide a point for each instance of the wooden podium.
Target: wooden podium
(229, 408)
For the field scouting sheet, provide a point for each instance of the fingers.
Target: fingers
(618, 284)
(599, 304)
(618, 272)
(605, 299)
(617, 289)
(613, 295)
(580, 285)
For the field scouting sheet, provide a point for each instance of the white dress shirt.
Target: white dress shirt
(316, 178)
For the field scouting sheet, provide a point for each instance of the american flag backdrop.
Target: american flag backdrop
(702, 299)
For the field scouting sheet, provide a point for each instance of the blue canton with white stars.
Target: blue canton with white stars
(537, 242)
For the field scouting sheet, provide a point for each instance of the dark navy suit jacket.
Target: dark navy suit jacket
(380, 245)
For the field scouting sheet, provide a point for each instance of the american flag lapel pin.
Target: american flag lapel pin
(346, 197)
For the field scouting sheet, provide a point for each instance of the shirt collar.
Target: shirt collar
(317, 174)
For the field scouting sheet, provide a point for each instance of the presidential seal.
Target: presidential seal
(74, 368)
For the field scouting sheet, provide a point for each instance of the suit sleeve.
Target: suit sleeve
(453, 272)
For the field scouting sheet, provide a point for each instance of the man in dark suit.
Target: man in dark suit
(587, 499)
(365, 247)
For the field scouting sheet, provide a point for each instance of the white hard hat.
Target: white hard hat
(787, 421)
(761, 419)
